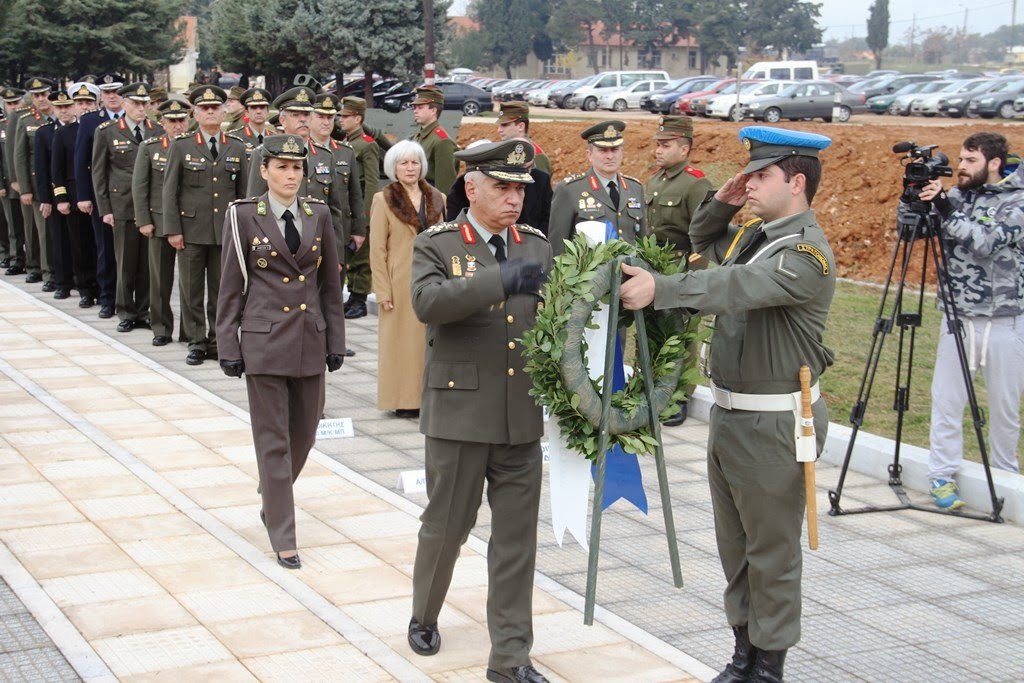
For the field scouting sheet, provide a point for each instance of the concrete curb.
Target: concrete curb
(873, 454)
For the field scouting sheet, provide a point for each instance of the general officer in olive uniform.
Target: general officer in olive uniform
(673, 194)
(514, 122)
(257, 108)
(206, 171)
(601, 193)
(147, 193)
(113, 162)
(347, 173)
(14, 105)
(771, 298)
(435, 141)
(476, 284)
(360, 281)
(37, 255)
(280, 321)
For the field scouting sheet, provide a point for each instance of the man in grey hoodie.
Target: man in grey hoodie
(983, 238)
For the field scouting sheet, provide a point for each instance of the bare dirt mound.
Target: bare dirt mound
(861, 183)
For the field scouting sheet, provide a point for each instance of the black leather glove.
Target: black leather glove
(334, 361)
(942, 204)
(232, 368)
(519, 276)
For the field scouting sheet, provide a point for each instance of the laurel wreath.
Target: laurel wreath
(555, 349)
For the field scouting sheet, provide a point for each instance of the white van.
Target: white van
(586, 97)
(806, 70)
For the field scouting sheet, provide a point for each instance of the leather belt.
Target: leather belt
(732, 400)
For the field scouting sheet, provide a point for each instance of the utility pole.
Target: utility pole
(428, 41)
(913, 28)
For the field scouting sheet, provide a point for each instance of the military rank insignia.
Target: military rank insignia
(470, 265)
(261, 209)
(261, 262)
(306, 209)
(456, 266)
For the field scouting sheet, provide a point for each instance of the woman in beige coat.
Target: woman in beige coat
(400, 211)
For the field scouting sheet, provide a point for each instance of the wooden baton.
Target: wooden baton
(807, 433)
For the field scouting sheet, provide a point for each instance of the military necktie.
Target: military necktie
(213, 146)
(613, 192)
(291, 235)
(260, 138)
(138, 133)
(499, 247)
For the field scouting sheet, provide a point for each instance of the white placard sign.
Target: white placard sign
(335, 428)
(413, 481)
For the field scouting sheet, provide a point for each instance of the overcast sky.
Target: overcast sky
(842, 19)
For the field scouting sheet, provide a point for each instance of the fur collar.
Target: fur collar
(400, 204)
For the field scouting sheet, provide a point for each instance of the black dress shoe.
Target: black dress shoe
(86, 302)
(5, 263)
(677, 419)
(49, 286)
(33, 278)
(15, 270)
(144, 324)
(516, 674)
(106, 311)
(292, 562)
(424, 640)
(62, 293)
(407, 412)
(356, 310)
(195, 357)
(161, 340)
(126, 326)
(349, 353)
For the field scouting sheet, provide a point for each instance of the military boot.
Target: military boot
(768, 666)
(742, 664)
(355, 307)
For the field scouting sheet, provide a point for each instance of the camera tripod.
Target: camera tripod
(918, 224)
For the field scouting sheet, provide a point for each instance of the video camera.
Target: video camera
(923, 168)
(915, 219)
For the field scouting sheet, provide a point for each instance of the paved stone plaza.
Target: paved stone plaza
(132, 545)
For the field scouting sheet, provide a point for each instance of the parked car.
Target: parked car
(538, 97)
(997, 102)
(559, 96)
(729, 106)
(661, 100)
(890, 83)
(628, 97)
(498, 93)
(927, 103)
(587, 95)
(806, 100)
(462, 96)
(955, 105)
(884, 104)
(901, 105)
(682, 103)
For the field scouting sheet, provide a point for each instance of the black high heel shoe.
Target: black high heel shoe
(292, 562)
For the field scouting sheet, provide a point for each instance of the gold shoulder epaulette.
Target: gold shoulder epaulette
(235, 137)
(323, 147)
(529, 229)
(105, 124)
(244, 200)
(574, 177)
(635, 180)
(153, 140)
(183, 136)
(312, 200)
(442, 227)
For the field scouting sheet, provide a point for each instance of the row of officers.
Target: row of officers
(107, 185)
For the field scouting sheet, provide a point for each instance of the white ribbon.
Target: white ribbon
(569, 471)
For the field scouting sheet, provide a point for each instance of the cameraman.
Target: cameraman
(983, 239)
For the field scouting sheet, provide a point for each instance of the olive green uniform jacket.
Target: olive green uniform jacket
(582, 197)
(251, 138)
(24, 142)
(672, 197)
(148, 183)
(113, 163)
(368, 157)
(475, 388)
(198, 188)
(440, 150)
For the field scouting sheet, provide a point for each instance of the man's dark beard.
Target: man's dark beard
(972, 182)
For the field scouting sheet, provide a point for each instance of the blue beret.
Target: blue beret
(768, 145)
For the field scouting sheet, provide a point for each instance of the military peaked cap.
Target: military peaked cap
(769, 146)
(605, 134)
(507, 161)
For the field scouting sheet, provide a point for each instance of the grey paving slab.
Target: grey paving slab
(26, 652)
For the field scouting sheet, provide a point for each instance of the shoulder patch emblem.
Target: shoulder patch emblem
(805, 248)
(368, 138)
(695, 172)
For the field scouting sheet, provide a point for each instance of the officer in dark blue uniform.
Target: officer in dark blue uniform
(56, 225)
